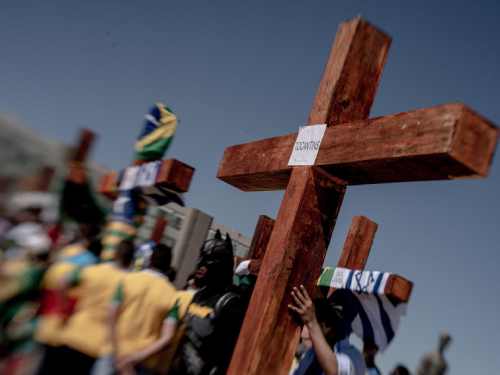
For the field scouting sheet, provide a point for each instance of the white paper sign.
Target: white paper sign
(306, 146)
(338, 278)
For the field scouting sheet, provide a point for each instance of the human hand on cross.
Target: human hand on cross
(305, 307)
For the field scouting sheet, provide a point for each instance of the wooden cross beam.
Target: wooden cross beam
(355, 254)
(443, 142)
(173, 174)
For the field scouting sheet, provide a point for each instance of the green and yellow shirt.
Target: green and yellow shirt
(146, 299)
(87, 330)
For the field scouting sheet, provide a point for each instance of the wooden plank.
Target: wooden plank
(288, 262)
(254, 266)
(358, 243)
(108, 186)
(173, 174)
(38, 182)
(309, 209)
(159, 228)
(439, 143)
(85, 143)
(354, 256)
(77, 173)
(345, 97)
(261, 237)
(398, 289)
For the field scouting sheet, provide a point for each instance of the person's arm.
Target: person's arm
(113, 312)
(168, 329)
(305, 310)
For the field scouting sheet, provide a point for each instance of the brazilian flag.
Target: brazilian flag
(160, 128)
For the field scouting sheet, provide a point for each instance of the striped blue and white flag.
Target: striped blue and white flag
(378, 317)
(142, 179)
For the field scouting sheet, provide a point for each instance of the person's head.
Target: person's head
(216, 264)
(305, 342)
(38, 245)
(400, 370)
(336, 313)
(172, 274)
(444, 340)
(95, 246)
(370, 350)
(125, 253)
(28, 215)
(306, 337)
(161, 258)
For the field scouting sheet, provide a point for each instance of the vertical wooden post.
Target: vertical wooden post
(358, 243)
(261, 237)
(310, 206)
(159, 228)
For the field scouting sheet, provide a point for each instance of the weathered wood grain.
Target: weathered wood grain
(445, 142)
(293, 256)
(260, 238)
(310, 206)
(254, 266)
(352, 74)
(358, 243)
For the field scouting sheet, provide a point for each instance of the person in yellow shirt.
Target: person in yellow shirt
(86, 331)
(53, 314)
(143, 319)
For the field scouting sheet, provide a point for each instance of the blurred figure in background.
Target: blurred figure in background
(143, 319)
(434, 363)
(54, 312)
(304, 345)
(400, 370)
(85, 332)
(215, 315)
(19, 304)
(370, 350)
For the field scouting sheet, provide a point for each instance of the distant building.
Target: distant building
(24, 152)
(187, 230)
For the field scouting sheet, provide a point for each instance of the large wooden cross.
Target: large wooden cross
(446, 142)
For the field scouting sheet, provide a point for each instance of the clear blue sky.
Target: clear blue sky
(236, 72)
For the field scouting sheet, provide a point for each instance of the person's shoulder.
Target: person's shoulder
(351, 354)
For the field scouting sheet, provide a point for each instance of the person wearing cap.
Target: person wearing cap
(331, 353)
(143, 318)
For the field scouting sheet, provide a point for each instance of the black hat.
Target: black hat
(338, 311)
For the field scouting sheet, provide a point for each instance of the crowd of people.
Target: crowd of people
(63, 311)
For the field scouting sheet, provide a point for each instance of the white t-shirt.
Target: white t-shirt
(350, 359)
